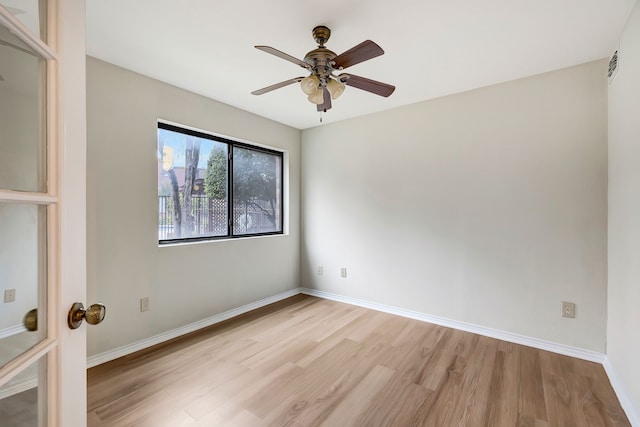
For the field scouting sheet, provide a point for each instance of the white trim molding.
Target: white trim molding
(157, 339)
(18, 387)
(621, 392)
(12, 330)
(576, 352)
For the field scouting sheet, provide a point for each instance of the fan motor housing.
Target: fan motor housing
(321, 59)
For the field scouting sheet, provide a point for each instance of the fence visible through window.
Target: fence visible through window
(209, 218)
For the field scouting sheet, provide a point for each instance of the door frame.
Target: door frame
(70, 357)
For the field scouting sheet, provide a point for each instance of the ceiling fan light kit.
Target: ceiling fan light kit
(317, 97)
(335, 88)
(322, 85)
(310, 84)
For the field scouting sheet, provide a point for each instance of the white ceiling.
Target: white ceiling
(432, 48)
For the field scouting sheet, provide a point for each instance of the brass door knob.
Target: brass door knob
(93, 315)
(30, 320)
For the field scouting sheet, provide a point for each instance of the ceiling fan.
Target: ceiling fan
(322, 84)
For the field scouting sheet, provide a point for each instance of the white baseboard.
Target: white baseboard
(157, 339)
(19, 387)
(13, 330)
(576, 352)
(468, 327)
(621, 392)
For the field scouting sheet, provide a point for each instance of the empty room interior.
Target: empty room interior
(443, 231)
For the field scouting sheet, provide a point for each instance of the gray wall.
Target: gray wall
(623, 330)
(487, 207)
(185, 283)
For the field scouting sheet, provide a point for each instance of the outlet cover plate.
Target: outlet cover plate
(9, 295)
(568, 309)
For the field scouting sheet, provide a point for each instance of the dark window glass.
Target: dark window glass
(257, 182)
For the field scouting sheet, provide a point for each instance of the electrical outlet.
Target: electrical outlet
(144, 304)
(9, 295)
(320, 270)
(343, 272)
(568, 309)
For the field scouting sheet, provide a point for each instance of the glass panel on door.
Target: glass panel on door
(22, 278)
(23, 399)
(31, 13)
(23, 220)
(22, 116)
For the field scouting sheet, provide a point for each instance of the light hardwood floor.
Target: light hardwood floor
(20, 410)
(312, 362)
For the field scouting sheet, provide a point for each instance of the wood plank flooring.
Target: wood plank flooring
(20, 410)
(312, 362)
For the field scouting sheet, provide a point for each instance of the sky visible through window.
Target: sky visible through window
(177, 141)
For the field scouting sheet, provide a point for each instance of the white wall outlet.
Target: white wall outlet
(320, 270)
(9, 295)
(568, 309)
(144, 304)
(343, 272)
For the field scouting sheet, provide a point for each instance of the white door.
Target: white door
(42, 212)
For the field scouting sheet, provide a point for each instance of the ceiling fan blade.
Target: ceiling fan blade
(283, 55)
(369, 85)
(277, 86)
(357, 54)
(326, 105)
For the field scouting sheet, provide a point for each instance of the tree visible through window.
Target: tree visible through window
(199, 174)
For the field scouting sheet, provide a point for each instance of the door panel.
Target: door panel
(23, 231)
(42, 211)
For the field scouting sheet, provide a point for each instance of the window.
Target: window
(211, 187)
